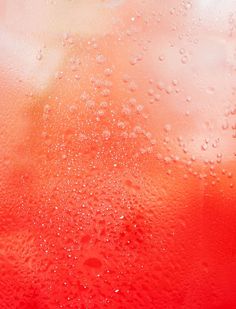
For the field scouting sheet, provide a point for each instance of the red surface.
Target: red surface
(108, 199)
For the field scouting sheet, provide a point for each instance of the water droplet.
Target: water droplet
(90, 103)
(150, 92)
(105, 92)
(157, 97)
(160, 85)
(121, 125)
(59, 75)
(188, 99)
(132, 86)
(184, 59)
(138, 129)
(182, 51)
(168, 90)
(167, 128)
(73, 108)
(139, 108)
(133, 61)
(39, 55)
(47, 108)
(100, 59)
(174, 82)
(100, 113)
(108, 71)
(204, 147)
(82, 137)
(126, 110)
(106, 134)
(93, 262)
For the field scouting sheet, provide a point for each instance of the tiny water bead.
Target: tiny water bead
(184, 59)
(100, 59)
(39, 55)
(106, 134)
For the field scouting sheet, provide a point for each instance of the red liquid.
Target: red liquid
(117, 177)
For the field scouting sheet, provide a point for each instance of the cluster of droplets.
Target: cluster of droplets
(113, 204)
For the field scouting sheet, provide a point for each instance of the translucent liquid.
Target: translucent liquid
(117, 155)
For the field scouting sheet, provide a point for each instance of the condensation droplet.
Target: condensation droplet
(100, 59)
(184, 59)
(106, 134)
(39, 55)
(167, 128)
